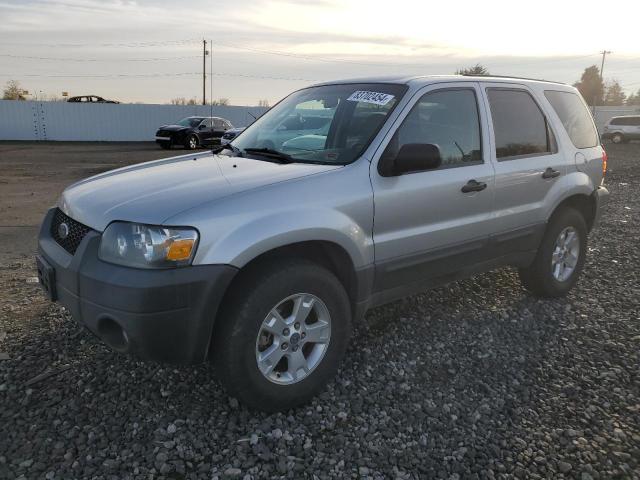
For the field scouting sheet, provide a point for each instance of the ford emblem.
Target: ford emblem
(63, 230)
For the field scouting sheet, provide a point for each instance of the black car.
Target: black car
(89, 99)
(192, 132)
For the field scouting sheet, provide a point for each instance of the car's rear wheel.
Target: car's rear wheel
(281, 334)
(617, 138)
(560, 257)
(191, 143)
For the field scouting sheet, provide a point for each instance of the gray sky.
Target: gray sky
(151, 51)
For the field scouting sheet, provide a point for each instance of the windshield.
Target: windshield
(190, 122)
(325, 124)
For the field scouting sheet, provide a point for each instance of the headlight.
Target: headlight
(147, 246)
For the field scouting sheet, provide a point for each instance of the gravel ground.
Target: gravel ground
(473, 380)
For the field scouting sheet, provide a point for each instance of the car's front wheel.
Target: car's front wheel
(617, 138)
(281, 334)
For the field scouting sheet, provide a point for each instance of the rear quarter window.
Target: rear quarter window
(629, 121)
(575, 117)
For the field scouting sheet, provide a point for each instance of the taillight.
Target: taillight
(604, 162)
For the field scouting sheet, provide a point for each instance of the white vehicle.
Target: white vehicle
(622, 129)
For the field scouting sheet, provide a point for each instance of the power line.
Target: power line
(625, 70)
(540, 61)
(416, 65)
(544, 61)
(110, 75)
(63, 59)
(315, 58)
(151, 75)
(129, 44)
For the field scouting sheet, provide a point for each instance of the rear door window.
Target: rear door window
(575, 117)
(519, 126)
(625, 121)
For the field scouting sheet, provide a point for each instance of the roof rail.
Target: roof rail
(514, 78)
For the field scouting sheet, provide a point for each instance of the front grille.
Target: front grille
(77, 231)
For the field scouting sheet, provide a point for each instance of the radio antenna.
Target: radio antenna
(211, 89)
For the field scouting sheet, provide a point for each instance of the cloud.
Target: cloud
(311, 39)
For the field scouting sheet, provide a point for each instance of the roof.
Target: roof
(426, 79)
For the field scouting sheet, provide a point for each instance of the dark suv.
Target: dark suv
(192, 132)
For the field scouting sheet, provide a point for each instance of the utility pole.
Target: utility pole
(604, 54)
(204, 72)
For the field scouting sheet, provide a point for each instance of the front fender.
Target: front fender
(331, 206)
(249, 240)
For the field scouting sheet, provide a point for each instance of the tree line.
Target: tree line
(594, 90)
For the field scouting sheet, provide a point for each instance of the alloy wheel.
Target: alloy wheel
(293, 338)
(565, 254)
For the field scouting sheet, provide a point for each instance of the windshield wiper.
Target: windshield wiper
(271, 153)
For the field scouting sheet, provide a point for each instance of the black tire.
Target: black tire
(240, 320)
(191, 142)
(618, 138)
(165, 145)
(538, 278)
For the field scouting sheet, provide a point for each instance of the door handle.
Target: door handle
(550, 173)
(473, 186)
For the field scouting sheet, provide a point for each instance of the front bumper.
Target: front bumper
(164, 315)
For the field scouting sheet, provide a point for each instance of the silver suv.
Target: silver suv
(622, 129)
(260, 255)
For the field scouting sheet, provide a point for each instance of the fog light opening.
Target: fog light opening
(113, 334)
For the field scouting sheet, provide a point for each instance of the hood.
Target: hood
(173, 128)
(155, 191)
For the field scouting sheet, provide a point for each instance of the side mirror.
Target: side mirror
(202, 127)
(417, 157)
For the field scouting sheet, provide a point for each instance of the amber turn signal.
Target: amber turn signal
(180, 249)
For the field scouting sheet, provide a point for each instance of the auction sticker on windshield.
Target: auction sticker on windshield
(370, 97)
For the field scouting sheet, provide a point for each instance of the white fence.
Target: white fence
(27, 120)
(129, 122)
